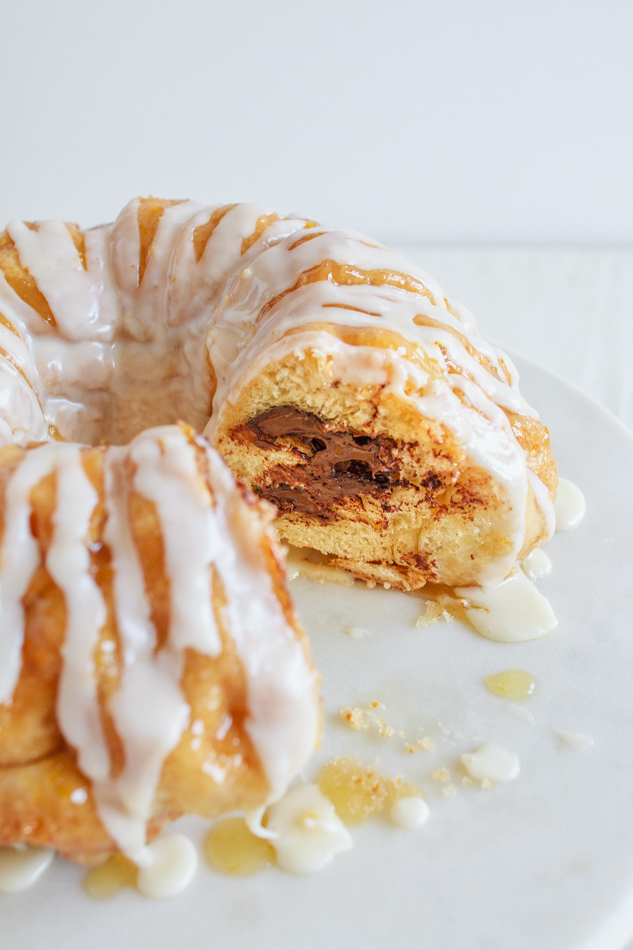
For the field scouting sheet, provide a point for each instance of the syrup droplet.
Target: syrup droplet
(355, 790)
(111, 877)
(305, 562)
(359, 791)
(232, 848)
(514, 685)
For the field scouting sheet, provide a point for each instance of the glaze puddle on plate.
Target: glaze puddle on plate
(545, 861)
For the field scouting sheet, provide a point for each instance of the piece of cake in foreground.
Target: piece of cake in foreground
(151, 661)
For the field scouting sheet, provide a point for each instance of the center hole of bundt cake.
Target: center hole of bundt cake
(336, 464)
(146, 385)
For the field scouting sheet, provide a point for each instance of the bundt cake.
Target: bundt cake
(333, 376)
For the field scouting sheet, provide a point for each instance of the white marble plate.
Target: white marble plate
(544, 863)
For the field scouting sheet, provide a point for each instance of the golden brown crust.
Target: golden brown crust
(264, 221)
(534, 439)
(21, 281)
(203, 232)
(348, 275)
(36, 807)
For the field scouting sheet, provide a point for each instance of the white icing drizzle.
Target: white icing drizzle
(409, 812)
(19, 557)
(167, 474)
(570, 505)
(253, 819)
(149, 710)
(509, 611)
(21, 867)
(68, 563)
(51, 257)
(281, 724)
(545, 503)
(308, 832)
(537, 564)
(493, 762)
(21, 414)
(170, 868)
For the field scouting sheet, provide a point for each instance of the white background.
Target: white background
(476, 121)
(444, 126)
(491, 139)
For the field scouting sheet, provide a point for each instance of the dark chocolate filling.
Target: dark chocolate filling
(339, 464)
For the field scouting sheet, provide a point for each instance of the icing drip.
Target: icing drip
(492, 762)
(51, 257)
(409, 812)
(537, 564)
(307, 831)
(167, 474)
(68, 563)
(149, 710)
(544, 502)
(280, 722)
(19, 557)
(21, 867)
(172, 864)
(510, 611)
(570, 505)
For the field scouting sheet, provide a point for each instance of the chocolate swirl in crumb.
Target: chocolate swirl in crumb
(339, 463)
